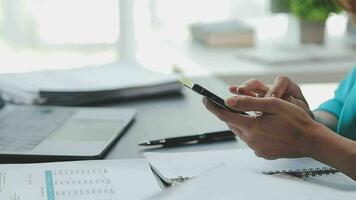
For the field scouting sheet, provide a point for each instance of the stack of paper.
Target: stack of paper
(86, 85)
(89, 180)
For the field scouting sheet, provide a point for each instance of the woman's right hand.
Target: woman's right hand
(282, 88)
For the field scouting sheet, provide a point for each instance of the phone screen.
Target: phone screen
(214, 98)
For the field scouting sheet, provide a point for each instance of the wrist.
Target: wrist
(313, 136)
(319, 141)
(332, 149)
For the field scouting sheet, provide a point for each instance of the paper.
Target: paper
(236, 181)
(171, 166)
(89, 180)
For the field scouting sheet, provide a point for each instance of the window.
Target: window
(37, 34)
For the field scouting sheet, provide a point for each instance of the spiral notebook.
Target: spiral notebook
(236, 181)
(178, 167)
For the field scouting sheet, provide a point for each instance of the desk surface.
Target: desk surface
(171, 116)
(225, 64)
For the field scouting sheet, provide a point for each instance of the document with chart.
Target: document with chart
(89, 180)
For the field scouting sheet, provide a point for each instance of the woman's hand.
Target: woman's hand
(282, 88)
(283, 130)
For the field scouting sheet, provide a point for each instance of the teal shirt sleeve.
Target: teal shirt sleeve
(335, 105)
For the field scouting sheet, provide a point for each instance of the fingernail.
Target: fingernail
(273, 95)
(204, 101)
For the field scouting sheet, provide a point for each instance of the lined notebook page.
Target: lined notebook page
(190, 164)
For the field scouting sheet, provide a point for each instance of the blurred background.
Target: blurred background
(57, 34)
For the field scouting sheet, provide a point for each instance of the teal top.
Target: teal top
(343, 106)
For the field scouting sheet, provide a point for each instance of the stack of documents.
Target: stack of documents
(88, 85)
(89, 180)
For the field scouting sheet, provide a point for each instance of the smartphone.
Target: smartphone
(208, 94)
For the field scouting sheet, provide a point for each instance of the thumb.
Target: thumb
(247, 103)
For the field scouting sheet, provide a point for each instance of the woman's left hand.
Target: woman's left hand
(283, 130)
(283, 88)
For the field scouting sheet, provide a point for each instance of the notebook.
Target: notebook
(89, 180)
(83, 86)
(178, 167)
(236, 181)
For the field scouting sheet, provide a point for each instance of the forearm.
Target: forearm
(334, 150)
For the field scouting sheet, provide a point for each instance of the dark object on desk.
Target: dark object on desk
(2, 102)
(45, 133)
(206, 93)
(201, 138)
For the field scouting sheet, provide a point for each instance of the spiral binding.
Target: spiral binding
(305, 172)
(180, 179)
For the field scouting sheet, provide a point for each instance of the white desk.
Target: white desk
(317, 93)
(225, 64)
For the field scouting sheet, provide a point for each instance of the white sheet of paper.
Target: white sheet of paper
(236, 181)
(191, 164)
(89, 180)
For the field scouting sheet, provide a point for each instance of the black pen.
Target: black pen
(206, 137)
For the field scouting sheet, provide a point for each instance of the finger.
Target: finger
(242, 91)
(279, 87)
(249, 139)
(247, 92)
(252, 87)
(240, 134)
(266, 156)
(239, 121)
(236, 131)
(269, 105)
